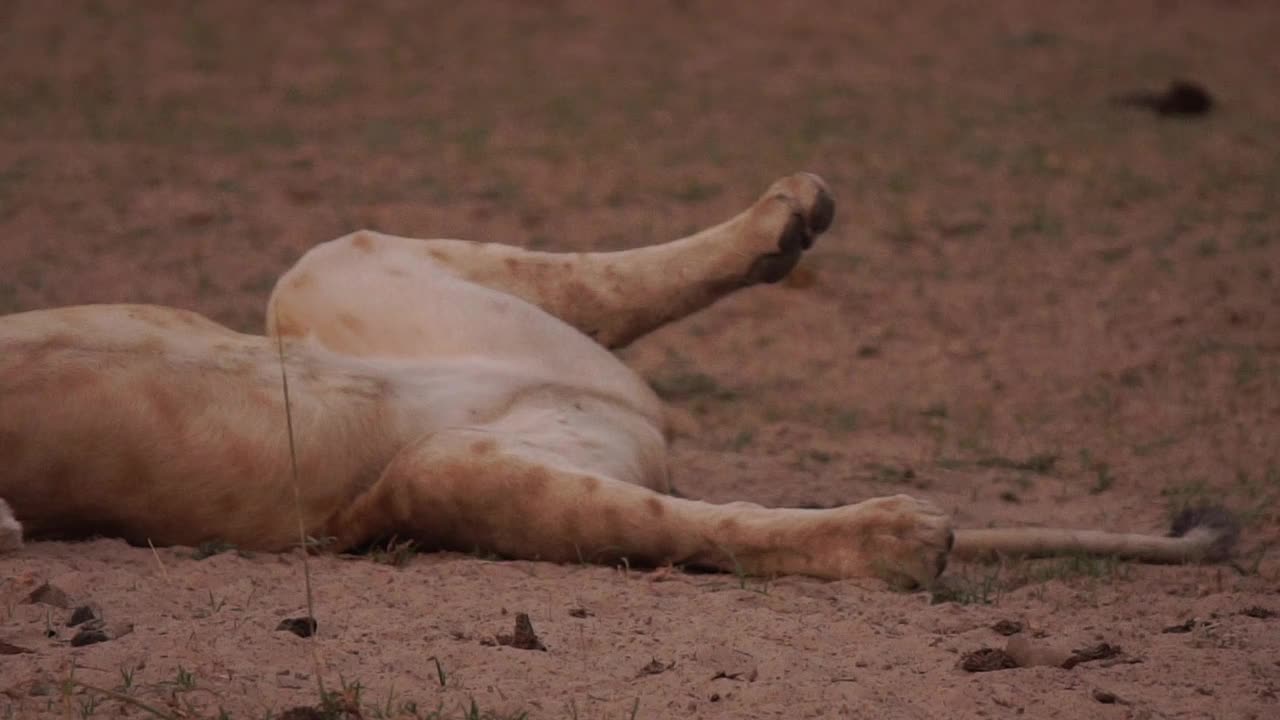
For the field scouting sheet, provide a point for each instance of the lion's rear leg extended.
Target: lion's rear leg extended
(616, 297)
(476, 490)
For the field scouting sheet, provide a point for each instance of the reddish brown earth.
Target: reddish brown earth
(1019, 268)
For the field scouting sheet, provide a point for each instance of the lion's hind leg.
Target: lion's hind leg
(10, 529)
(474, 489)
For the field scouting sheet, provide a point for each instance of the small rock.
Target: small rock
(97, 630)
(89, 637)
(303, 627)
(1182, 98)
(82, 614)
(580, 612)
(655, 667)
(987, 660)
(49, 595)
(524, 638)
(1007, 627)
(1105, 697)
(1257, 611)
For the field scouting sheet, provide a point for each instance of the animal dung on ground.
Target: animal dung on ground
(89, 636)
(82, 615)
(524, 638)
(655, 667)
(1007, 627)
(97, 631)
(1182, 98)
(987, 660)
(1106, 697)
(303, 627)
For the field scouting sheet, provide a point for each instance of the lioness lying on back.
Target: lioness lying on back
(456, 393)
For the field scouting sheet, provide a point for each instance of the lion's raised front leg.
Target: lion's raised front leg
(373, 281)
(616, 297)
(477, 490)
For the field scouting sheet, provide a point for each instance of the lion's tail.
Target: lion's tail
(1203, 534)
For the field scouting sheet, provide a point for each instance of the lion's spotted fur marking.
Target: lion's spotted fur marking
(460, 394)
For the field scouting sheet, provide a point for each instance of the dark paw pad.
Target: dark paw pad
(824, 211)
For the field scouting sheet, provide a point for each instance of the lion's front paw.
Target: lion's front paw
(786, 220)
(898, 538)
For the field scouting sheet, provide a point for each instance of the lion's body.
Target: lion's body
(156, 408)
(459, 394)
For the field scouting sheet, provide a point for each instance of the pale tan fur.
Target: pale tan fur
(460, 394)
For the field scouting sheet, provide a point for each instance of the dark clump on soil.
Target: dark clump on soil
(1042, 463)
(656, 667)
(89, 636)
(1106, 697)
(524, 638)
(303, 627)
(1181, 99)
(303, 712)
(1182, 627)
(81, 615)
(1007, 627)
(987, 660)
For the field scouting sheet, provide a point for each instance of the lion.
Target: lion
(459, 394)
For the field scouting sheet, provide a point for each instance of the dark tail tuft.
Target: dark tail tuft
(1214, 518)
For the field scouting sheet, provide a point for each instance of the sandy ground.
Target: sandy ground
(1035, 307)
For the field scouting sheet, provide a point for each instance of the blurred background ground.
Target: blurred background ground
(1034, 307)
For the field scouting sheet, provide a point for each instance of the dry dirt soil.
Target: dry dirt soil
(1036, 306)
